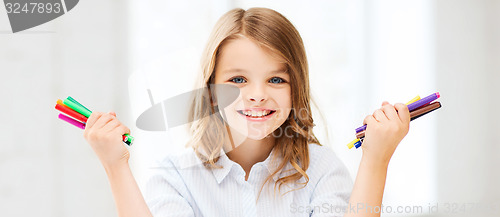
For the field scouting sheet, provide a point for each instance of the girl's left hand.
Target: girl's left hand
(384, 131)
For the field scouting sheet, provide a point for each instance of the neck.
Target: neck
(246, 151)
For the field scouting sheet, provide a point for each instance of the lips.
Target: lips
(256, 113)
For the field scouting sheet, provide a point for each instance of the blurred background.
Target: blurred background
(108, 54)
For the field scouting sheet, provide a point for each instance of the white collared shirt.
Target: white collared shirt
(180, 185)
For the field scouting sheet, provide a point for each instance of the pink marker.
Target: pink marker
(72, 121)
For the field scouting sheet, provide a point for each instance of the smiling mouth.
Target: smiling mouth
(258, 114)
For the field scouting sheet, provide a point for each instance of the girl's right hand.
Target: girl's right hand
(103, 132)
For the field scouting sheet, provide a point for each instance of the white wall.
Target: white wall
(46, 167)
(467, 61)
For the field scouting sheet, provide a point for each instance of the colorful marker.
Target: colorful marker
(72, 121)
(358, 144)
(128, 139)
(73, 100)
(79, 112)
(422, 102)
(77, 108)
(353, 142)
(413, 100)
(417, 107)
(413, 115)
(412, 106)
(71, 112)
(424, 110)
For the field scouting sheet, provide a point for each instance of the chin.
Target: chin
(257, 136)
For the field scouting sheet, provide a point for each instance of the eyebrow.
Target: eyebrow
(237, 70)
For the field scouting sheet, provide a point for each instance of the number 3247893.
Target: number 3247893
(39, 8)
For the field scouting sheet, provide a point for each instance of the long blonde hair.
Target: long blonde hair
(276, 33)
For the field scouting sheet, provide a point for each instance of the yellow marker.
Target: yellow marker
(413, 100)
(351, 144)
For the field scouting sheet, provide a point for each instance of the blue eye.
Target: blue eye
(237, 80)
(276, 80)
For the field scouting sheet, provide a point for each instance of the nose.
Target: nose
(256, 93)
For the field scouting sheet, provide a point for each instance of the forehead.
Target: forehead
(243, 54)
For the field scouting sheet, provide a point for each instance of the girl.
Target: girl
(258, 155)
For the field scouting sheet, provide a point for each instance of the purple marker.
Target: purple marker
(422, 102)
(72, 121)
(412, 106)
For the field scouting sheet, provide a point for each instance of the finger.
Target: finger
(368, 117)
(390, 112)
(122, 129)
(113, 113)
(385, 103)
(403, 112)
(92, 119)
(103, 120)
(111, 125)
(380, 115)
(370, 120)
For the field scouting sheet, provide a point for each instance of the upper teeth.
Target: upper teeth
(256, 113)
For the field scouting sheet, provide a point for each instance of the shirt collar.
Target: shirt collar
(227, 164)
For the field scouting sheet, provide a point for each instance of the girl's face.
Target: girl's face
(264, 102)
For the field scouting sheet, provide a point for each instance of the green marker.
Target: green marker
(128, 139)
(80, 109)
(73, 100)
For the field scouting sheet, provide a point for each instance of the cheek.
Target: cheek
(284, 100)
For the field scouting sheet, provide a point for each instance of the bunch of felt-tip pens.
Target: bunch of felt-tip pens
(417, 107)
(76, 114)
